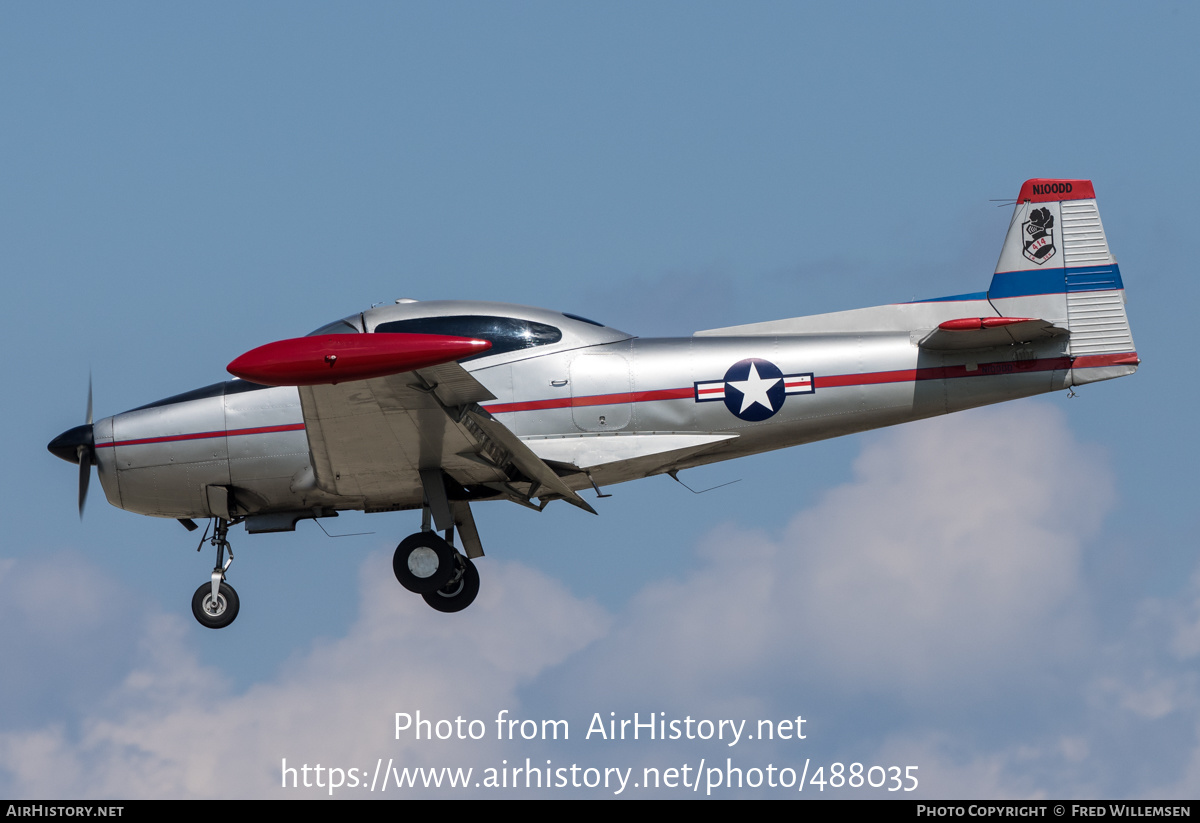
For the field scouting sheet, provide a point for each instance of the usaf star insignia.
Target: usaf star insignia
(754, 389)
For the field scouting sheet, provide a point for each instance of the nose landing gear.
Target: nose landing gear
(215, 604)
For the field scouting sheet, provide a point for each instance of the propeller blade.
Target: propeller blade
(85, 475)
(85, 466)
(78, 445)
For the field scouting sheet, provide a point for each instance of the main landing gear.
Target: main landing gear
(215, 604)
(425, 563)
(428, 565)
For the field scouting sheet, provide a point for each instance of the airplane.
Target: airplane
(438, 405)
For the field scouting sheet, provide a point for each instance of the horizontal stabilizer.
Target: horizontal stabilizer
(986, 332)
(327, 359)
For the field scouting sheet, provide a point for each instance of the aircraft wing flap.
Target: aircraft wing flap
(523, 457)
(454, 385)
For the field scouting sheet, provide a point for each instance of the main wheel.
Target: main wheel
(215, 614)
(459, 592)
(424, 562)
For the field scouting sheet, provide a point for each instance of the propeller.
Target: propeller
(78, 445)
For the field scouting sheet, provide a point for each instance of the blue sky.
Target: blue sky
(185, 183)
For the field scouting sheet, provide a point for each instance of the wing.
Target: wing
(373, 438)
(388, 439)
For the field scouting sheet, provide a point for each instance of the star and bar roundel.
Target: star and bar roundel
(754, 389)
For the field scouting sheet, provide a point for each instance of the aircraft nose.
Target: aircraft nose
(67, 444)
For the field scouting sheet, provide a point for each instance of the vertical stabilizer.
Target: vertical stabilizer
(1056, 265)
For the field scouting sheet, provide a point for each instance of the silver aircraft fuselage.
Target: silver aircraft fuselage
(599, 399)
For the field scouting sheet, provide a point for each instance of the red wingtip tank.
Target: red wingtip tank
(337, 358)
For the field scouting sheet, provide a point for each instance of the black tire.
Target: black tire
(424, 562)
(458, 593)
(223, 613)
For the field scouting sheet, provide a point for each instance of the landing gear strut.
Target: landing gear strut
(215, 604)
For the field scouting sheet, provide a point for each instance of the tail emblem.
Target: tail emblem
(1039, 236)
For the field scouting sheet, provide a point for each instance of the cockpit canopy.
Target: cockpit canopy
(509, 328)
(336, 327)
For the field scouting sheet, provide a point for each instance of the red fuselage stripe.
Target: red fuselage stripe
(173, 438)
(942, 372)
(836, 381)
(594, 400)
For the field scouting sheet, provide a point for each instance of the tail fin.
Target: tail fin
(1056, 264)
(1055, 272)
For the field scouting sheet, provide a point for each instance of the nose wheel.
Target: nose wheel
(215, 612)
(215, 604)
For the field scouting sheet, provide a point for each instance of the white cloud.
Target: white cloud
(174, 729)
(953, 552)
